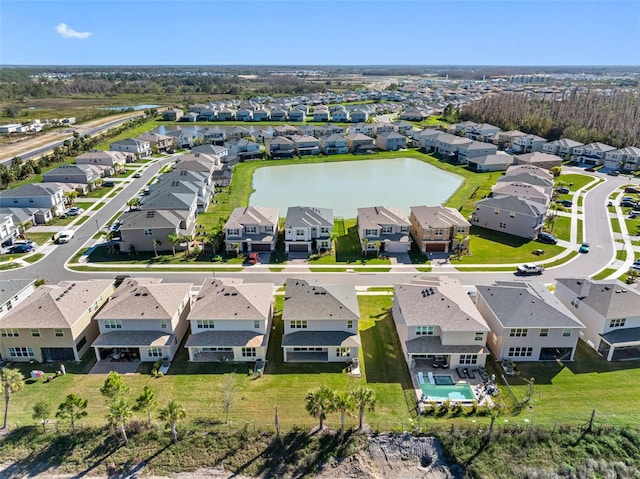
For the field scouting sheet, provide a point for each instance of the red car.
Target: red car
(253, 258)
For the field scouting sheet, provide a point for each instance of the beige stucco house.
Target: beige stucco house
(383, 229)
(435, 228)
(252, 228)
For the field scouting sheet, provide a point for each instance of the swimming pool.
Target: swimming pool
(443, 380)
(455, 392)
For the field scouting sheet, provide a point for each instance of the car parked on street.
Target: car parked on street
(584, 248)
(137, 175)
(527, 269)
(631, 189)
(547, 238)
(591, 170)
(613, 173)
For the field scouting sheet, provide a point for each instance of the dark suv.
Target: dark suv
(547, 238)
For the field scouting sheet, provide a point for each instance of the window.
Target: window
(371, 232)
(575, 302)
(154, 352)
(350, 324)
(468, 359)
(248, 352)
(479, 337)
(268, 229)
(520, 352)
(324, 230)
(112, 324)
(437, 232)
(205, 324)
(21, 352)
(306, 350)
(617, 323)
(148, 231)
(299, 232)
(425, 330)
(9, 333)
(35, 333)
(250, 230)
(387, 230)
(518, 332)
(566, 332)
(461, 230)
(58, 333)
(81, 343)
(298, 324)
(233, 232)
(404, 229)
(163, 324)
(544, 332)
(343, 352)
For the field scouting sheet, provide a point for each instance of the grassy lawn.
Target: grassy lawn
(560, 261)
(130, 133)
(283, 385)
(615, 225)
(101, 254)
(561, 227)
(99, 192)
(633, 226)
(38, 178)
(82, 204)
(489, 246)
(580, 237)
(605, 273)
(574, 181)
(39, 238)
(34, 257)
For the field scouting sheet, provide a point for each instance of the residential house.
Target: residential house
(306, 145)
(196, 161)
(439, 229)
(230, 321)
(624, 159)
(220, 151)
(541, 160)
(48, 197)
(81, 174)
(308, 229)
(427, 138)
(206, 115)
(182, 138)
(528, 323)
(529, 178)
(331, 129)
(339, 115)
(530, 169)
(237, 133)
(562, 148)
(144, 318)
(359, 143)
(187, 182)
(13, 292)
(482, 132)
(138, 148)
(591, 154)
(448, 145)
(437, 318)
(320, 322)
(280, 147)
(244, 114)
(319, 114)
(54, 322)
(285, 130)
(511, 215)
(278, 114)
(244, 149)
(462, 128)
(476, 149)
(9, 228)
(402, 127)
(383, 229)
(414, 115)
(610, 312)
(391, 141)
(222, 177)
(362, 128)
(505, 139)
(190, 117)
(522, 190)
(261, 114)
(157, 142)
(296, 115)
(214, 136)
(382, 127)
(114, 160)
(252, 228)
(172, 114)
(497, 162)
(359, 116)
(334, 145)
(149, 230)
(528, 144)
(226, 115)
(310, 130)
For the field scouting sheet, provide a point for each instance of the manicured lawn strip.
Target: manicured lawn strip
(574, 181)
(615, 225)
(39, 238)
(34, 257)
(590, 187)
(633, 226)
(82, 204)
(563, 260)
(605, 273)
(82, 220)
(100, 192)
(7, 266)
(566, 393)
(580, 237)
(424, 269)
(489, 246)
(561, 227)
(98, 206)
(343, 270)
(101, 254)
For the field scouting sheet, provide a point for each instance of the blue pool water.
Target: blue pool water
(455, 392)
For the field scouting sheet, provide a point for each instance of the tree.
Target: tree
(363, 398)
(71, 195)
(73, 408)
(172, 413)
(146, 402)
(188, 239)
(114, 386)
(555, 171)
(460, 238)
(229, 389)
(155, 243)
(333, 237)
(319, 403)
(344, 403)
(120, 414)
(174, 239)
(12, 381)
(41, 412)
(134, 203)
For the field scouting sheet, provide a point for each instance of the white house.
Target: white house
(383, 229)
(308, 229)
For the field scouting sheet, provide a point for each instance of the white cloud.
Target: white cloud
(67, 32)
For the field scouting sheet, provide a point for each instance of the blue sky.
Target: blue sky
(350, 32)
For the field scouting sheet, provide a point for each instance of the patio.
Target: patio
(121, 367)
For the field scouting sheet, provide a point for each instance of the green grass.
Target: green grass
(130, 133)
(38, 178)
(580, 237)
(100, 192)
(489, 246)
(34, 257)
(39, 238)
(563, 260)
(615, 225)
(574, 181)
(605, 273)
(633, 226)
(465, 269)
(561, 227)
(82, 204)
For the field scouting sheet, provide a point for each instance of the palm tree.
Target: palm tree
(319, 403)
(133, 203)
(146, 402)
(120, 414)
(174, 239)
(344, 403)
(155, 243)
(363, 398)
(333, 237)
(12, 381)
(187, 238)
(460, 239)
(71, 196)
(365, 244)
(73, 408)
(172, 414)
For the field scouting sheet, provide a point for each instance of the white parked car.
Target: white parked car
(65, 236)
(530, 269)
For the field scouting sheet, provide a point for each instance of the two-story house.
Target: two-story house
(436, 319)
(308, 229)
(391, 141)
(149, 230)
(182, 138)
(360, 143)
(113, 160)
(539, 159)
(172, 114)
(251, 228)
(134, 146)
(439, 229)
(623, 159)
(610, 312)
(482, 132)
(214, 136)
(505, 139)
(528, 323)
(562, 148)
(48, 197)
(144, 318)
(74, 174)
(334, 145)
(157, 142)
(383, 229)
(591, 154)
(13, 292)
(469, 151)
(306, 145)
(55, 322)
(320, 322)
(280, 147)
(528, 144)
(230, 321)
(510, 214)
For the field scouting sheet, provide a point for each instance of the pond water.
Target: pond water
(134, 108)
(348, 185)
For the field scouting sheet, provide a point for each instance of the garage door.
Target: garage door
(395, 248)
(260, 247)
(435, 247)
(298, 248)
